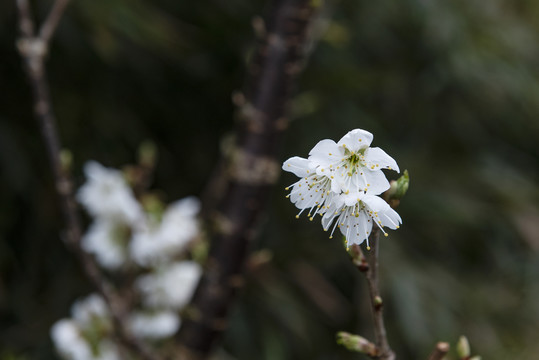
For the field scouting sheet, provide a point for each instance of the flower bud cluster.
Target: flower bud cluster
(129, 237)
(342, 182)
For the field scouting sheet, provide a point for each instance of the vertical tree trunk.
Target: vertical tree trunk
(249, 172)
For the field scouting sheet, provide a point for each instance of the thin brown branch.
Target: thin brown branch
(371, 274)
(53, 19)
(33, 51)
(236, 201)
(442, 348)
(26, 24)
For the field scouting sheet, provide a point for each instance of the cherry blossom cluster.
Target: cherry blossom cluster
(342, 182)
(124, 237)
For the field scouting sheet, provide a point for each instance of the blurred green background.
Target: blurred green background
(450, 89)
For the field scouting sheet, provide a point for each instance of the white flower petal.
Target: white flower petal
(69, 342)
(106, 195)
(86, 311)
(106, 240)
(356, 228)
(325, 153)
(159, 244)
(376, 182)
(171, 287)
(297, 166)
(378, 159)
(154, 326)
(375, 203)
(356, 139)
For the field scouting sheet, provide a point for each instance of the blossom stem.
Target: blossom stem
(371, 274)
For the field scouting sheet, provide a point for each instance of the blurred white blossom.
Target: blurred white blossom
(107, 240)
(69, 342)
(170, 287)
(84, 336)
(107, 195)
(123, 233)
(154, 326)
(160, 243)
(86, 311)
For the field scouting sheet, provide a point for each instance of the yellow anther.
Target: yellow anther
(286, 188)
(368, 184)
(311, 218)
(330, 154)
(331, 237)
(398, 227)
(368, 247)
(386, 234)
(297, 216)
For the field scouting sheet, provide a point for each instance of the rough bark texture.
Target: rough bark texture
(249, 171)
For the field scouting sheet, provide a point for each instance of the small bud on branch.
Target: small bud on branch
(357, 343)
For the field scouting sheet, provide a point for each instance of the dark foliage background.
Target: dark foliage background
(449, 88)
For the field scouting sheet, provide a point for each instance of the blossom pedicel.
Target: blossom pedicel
(340, 181)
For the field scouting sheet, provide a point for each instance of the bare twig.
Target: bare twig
(371, 274)
(235, 206)
(442, 348)
(52, 20)
(33, 50)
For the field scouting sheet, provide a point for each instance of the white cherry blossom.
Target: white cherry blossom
(70, 336)
(157, 244)
(340, 181)
(107, 195)
(170, 287)
(107, 240)
(311, 191)
(154, 325)
(355, 219)
(352, 164)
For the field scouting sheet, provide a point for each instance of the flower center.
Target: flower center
(354, 160)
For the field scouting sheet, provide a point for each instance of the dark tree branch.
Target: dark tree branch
(33, 50)
(249, 172)
(368, 265)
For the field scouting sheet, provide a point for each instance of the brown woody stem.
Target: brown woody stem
(249, 172)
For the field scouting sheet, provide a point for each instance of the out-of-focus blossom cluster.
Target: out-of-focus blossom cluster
(125, 238)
